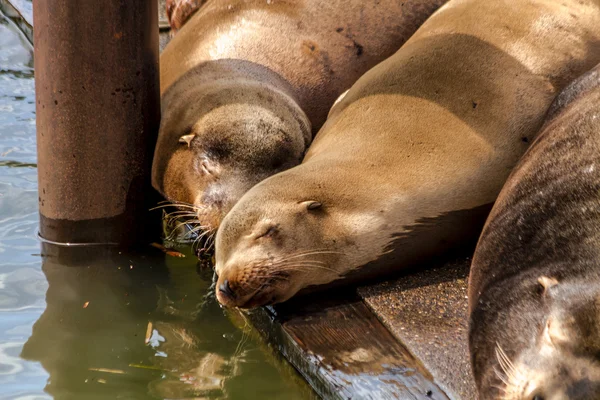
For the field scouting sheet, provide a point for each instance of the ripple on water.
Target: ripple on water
(22, 284)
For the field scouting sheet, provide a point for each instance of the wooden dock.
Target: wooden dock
(402, 339)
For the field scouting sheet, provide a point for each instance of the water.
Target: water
(116, 326)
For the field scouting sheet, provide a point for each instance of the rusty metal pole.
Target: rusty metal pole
(97, 89)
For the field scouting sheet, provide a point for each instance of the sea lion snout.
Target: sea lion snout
(247, 285)
(225, 291)
(271, 249)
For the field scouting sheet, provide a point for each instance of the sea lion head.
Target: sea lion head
(563, 361)
(219, 139)
(180, 11)
(284, 235)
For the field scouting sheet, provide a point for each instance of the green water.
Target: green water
(112, 326)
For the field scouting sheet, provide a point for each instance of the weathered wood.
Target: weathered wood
(344, 351)
(427, 312)
(163, 25)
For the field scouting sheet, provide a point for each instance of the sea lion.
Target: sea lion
(534, 289)
(412, 157)
(179, 11)
(246, 83)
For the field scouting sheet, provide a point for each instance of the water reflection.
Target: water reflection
(131, 326)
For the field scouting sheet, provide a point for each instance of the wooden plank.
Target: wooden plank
(344, 351)
(427, 312)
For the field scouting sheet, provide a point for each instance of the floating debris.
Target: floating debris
(109, 371)
(148, 333)
(146, 367)
(86, 304)
(167, 251)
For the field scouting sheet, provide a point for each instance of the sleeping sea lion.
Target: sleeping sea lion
(411, 159)
(534, 290)
(246, 83)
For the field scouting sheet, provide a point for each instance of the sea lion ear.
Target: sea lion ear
(547, 283)
(554, 334)
(187, 139)
(312, 205)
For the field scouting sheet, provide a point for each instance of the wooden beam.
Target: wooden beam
(344, 351)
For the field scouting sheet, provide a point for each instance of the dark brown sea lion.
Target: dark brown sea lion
(534, 289)
(411, 159)
(246, 83)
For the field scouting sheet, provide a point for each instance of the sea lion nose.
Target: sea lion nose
(226, 290)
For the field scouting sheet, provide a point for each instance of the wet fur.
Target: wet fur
(434, 129)
(546, 222)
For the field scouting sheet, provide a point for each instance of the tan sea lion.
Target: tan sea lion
(411, 159)
(534, 289)
(246, 83)
(180, 11)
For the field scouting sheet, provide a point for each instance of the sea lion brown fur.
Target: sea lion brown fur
(412, 157)
(534, 289)
(246, 83)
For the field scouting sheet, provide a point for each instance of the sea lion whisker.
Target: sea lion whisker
(293, 261)
(187, 218)
(207, 245)
(310, 265)
(501, 376)
(284, 262)
(281, 260)
(174, 230)
(270, 276)
(179, 214)
(297, 264)
(187, 222)
(314, 251)
(507, 365)
(503, 391)
(310, 253)
(500, 388)
(204, 228)
(188, 206)
(189, 233)
(196, 241)
(193, 234)
(307, 263)
(284, 269)
(202, 235)
(178, 210)
(211, 239)
(177, 202)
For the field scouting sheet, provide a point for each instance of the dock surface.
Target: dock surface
(401, 339)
